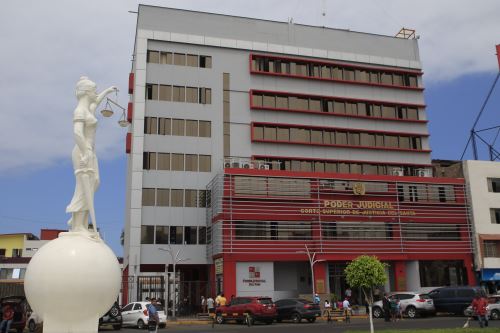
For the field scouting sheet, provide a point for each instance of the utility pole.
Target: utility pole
(175, 259)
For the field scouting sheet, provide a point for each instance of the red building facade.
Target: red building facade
(417, 225)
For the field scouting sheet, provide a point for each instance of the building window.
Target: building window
(165, 93)
(205, 130)
(205, 163)
(177, 198)
(164, 126)
(202, 235)
(152, 91)
(205, 96)
(192, 60)
(190, 235)
(494, 185)
(179, 94)
(203, 198)
(161, 235)
(190, 198)
(147, 234)
(177, 162)
(163, 161)
(178, 127)
(205, 61)
(495, 215)
(191, 95)
(491, 248)
(148, 196)
(176, 235)
(163, 197)
(2, 252)
(191, 162)
(149, 161)
(17, 253)
(150, 125)
(191, 128)
(153, 57)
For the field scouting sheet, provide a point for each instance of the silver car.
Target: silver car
(412, 304)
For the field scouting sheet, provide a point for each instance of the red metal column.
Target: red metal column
(400, 275)
(229, 278)
(320, 276)
(469, 267)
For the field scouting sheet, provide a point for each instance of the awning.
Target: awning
(490, 274)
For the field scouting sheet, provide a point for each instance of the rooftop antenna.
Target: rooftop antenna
(493, 153)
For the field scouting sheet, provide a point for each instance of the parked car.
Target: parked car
(112, 318)
(297, 309)
(33, 321)
(20, 306)
(454, 299)
(412, 304)
(137, 314)
(493, 308)
(247, 308)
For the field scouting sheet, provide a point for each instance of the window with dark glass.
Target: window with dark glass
(162, 235)
(176, 235)
(147, 234)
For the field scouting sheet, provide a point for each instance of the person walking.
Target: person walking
(203, 304)
(153, 314)
(217, 300)
(327, 307)
(346, 306)
(348, 293)
(211, 305)
(222, 300)
(386, 306)
(316, 299)
(479, 306)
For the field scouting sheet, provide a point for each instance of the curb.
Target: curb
(208, 322)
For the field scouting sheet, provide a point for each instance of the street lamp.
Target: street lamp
(175, 259)
(312, 261)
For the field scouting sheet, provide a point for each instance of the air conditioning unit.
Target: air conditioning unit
(264, 166)
(246, 165)
(228, 163)
(423, 173)
(397, 172)
(235, 164)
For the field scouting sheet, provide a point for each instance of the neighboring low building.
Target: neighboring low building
(483, 178)
(12, 245)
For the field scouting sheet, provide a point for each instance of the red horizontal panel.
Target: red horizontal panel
(131, 83)
(255, 157)
(130, 112)
(337, 63)
(128, 143)
(343, 129)
(340, 176)
(343, 146)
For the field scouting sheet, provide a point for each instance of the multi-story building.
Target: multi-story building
(264, 139)
(483, 178)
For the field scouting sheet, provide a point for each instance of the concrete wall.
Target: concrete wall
(481, 200)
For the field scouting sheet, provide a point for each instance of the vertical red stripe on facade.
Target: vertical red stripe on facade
(128, 143)
(130, 112)
(131, 83)
(498, 55)
(124, 299)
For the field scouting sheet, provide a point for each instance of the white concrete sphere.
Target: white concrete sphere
(72, 278)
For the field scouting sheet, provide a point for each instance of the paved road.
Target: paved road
(323, 327)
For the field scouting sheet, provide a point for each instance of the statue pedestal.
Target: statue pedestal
(71, 282)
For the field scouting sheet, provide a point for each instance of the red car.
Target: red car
(247, 309)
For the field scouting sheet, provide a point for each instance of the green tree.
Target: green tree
(366, 272)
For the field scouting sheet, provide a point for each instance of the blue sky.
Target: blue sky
(95, 38)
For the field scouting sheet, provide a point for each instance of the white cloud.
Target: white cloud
(47, 46)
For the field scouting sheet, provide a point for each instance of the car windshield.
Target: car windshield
(266, 301)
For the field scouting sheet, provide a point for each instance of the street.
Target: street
(319, 327)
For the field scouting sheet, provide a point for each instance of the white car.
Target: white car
(33, 321)
(136, 314)
(412, 304)
(493, 308)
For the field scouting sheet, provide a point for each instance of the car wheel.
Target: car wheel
(140, 324)
(411, 312)
(117, 327)
(32, 326)
(296, 318)
(377, 312)
(114, 312)
(495, 314)
(311, 320)
(219, 319)
(249, 320)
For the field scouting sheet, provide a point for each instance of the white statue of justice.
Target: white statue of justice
(75, 279)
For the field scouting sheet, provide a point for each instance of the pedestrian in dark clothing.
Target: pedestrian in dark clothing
(386, 306)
